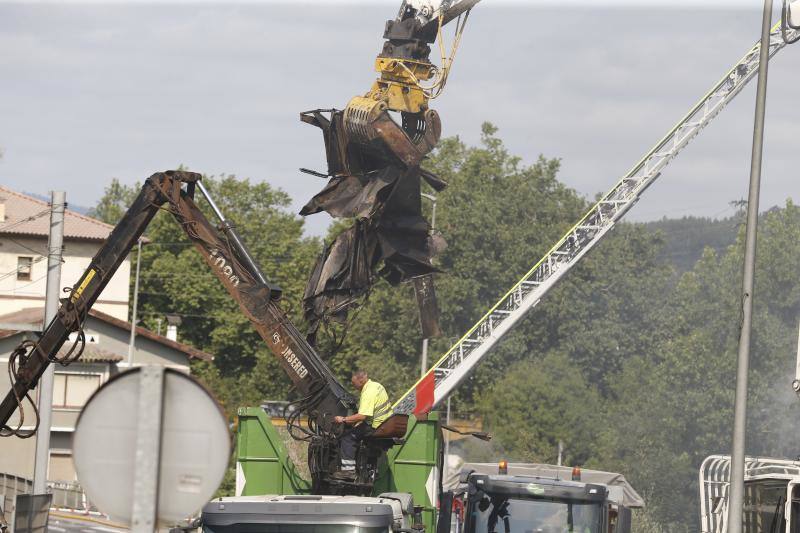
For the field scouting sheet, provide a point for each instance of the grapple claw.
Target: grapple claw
(368, 123)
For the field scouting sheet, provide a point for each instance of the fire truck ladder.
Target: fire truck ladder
(446, 374)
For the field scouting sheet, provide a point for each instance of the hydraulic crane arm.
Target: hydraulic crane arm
(374, 166)
(407, 81)
(427, 11)
(454, 366)
(222, 249)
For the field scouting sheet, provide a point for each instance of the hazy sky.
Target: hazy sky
(92, 91)
(717, 4)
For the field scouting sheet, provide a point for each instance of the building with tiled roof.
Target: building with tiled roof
(21, 214)
(31, 319)
(24, 226)
(105, 354)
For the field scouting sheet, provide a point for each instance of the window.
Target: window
(24, 268)
(61, 467)
(498, 512)
(795, 518)
(74, 390)
(764, 503)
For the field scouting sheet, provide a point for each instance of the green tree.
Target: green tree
(116, 199)
(541, 403)
(498, 216)
(175, 280)
(675, 404)
(603, 313)
(628, 361)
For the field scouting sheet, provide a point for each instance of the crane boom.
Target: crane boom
(454, 366)
(223, 251)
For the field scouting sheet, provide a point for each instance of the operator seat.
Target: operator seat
(389, 433)
(373, 448)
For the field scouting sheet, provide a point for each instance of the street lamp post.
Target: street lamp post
(736, 501)
(134, 318)
(424, 359)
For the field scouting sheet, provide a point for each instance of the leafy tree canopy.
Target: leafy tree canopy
(629, 361)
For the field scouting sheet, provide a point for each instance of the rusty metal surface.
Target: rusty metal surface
(374, 167)
(297, 358)
(375, 178)
(399, 142)
(350, 196)
(389, 238)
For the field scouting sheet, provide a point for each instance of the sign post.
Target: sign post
(151, 447)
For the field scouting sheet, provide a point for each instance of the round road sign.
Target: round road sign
(195, 445)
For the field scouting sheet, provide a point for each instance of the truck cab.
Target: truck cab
(771, 495)
(543, 499)
(387, 513)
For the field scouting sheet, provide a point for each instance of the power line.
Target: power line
(37, 252)
(27, 284)
(182, 315)
(24, 220)
(36, 259)
(20, 269)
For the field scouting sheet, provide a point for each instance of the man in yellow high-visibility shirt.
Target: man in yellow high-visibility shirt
(373, 408)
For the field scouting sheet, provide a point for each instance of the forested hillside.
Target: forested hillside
(686, 238)
(630, 361)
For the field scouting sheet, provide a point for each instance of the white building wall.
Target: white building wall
(17, 294)
(17, 455)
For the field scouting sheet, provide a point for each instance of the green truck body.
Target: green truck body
(263, 465)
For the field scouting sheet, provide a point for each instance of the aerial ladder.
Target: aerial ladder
(455, 365)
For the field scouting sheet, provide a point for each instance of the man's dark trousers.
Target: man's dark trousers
(349, 444)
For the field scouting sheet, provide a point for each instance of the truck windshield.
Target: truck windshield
(492, 514)
(294, 528)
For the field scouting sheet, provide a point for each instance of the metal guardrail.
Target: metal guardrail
(65, 495)
(10, 487)
(32, 513)
(69, 495)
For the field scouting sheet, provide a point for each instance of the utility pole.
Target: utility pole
(740, 407)
(796, 380)
(446, 465)
(424, 359)
(55, 242)
(131, 343)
